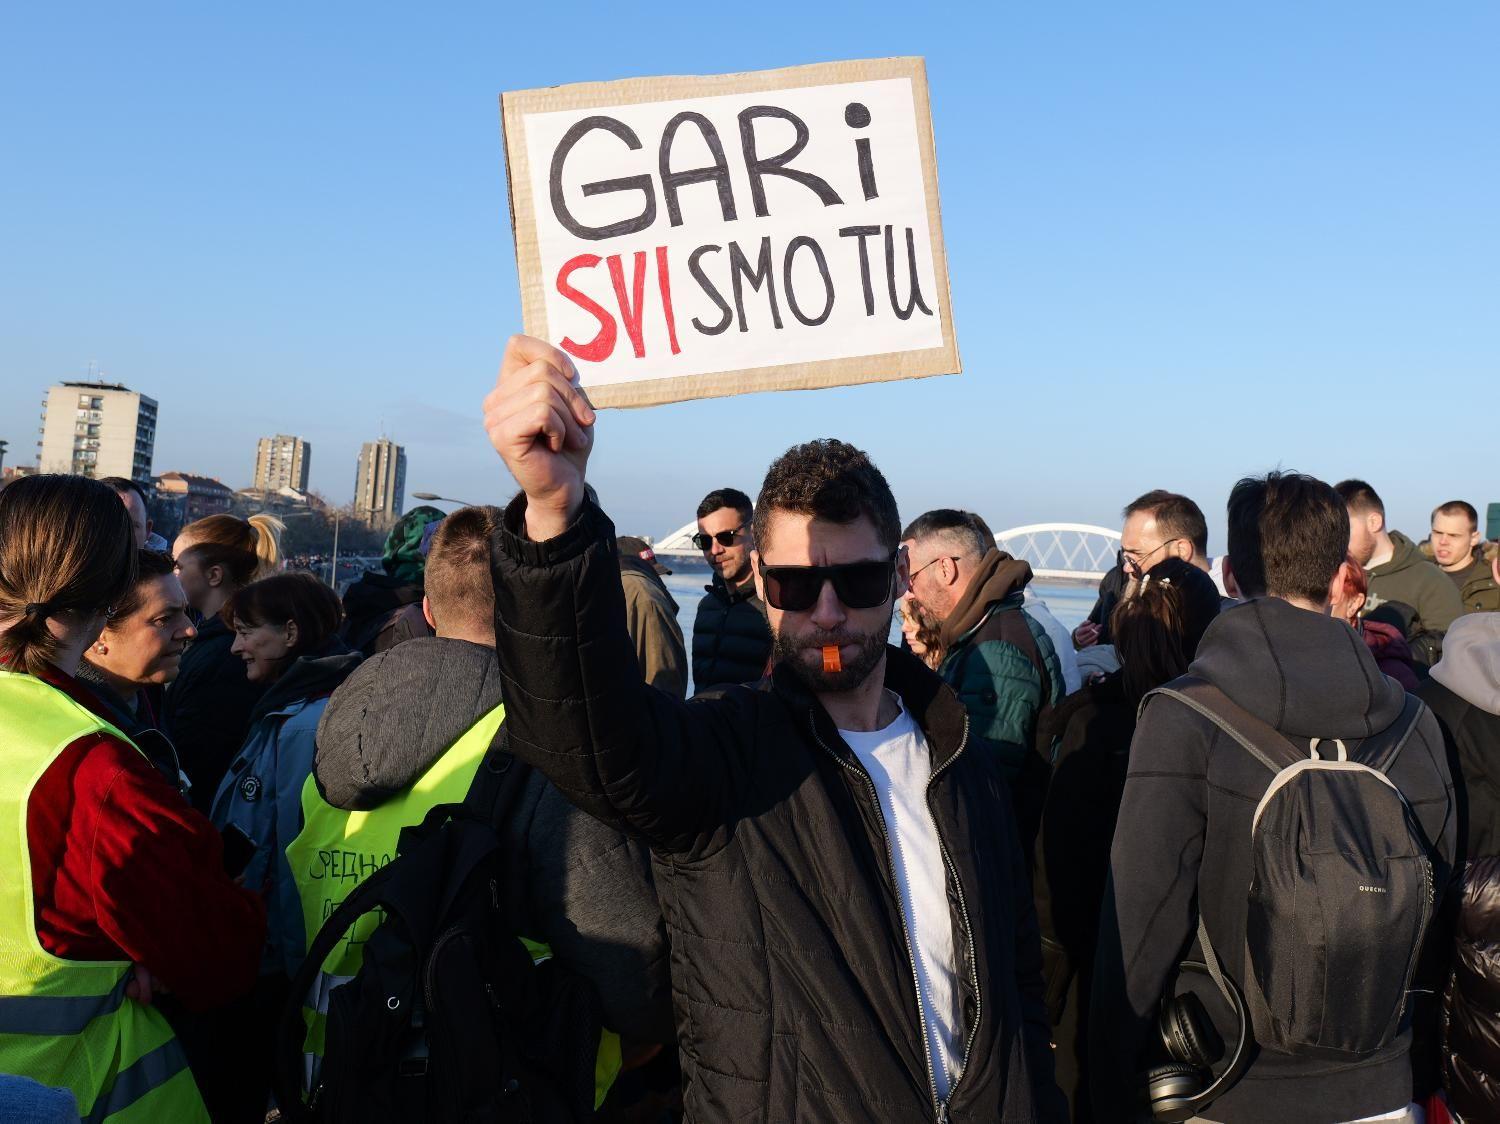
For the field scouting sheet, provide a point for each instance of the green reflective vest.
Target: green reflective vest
(67, 1023)
(337, 850)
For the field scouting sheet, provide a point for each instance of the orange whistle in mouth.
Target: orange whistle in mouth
(831, 662)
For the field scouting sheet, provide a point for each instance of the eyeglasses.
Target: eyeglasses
(702, 541)
(859, 585)
(1134, 559)
(930, 561)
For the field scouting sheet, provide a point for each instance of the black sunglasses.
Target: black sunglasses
(859, 585)
(702, 541)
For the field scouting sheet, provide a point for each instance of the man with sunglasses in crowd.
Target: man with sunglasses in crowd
(853, 935)
(731, 639)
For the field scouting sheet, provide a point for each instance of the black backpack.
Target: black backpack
(1341, 889)
(448, 1018)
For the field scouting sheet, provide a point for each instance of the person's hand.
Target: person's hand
(143, 986)
(542, 425)
(1086, 635)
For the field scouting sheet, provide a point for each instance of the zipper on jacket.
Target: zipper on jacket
(963, 912)
(940, 1106)
(1411, 964)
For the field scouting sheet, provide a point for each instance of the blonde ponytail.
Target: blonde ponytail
(267, 530)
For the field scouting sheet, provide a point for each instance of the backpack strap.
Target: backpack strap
(1211, 961)
(498, 782)
(1411, 714)
(1259, 738)
(287, 1071)
(1015, 631)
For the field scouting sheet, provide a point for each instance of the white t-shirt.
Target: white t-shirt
(900, 764)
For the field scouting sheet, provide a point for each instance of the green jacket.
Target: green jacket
(1478, 590)
(1413, 594)
(1003, 685)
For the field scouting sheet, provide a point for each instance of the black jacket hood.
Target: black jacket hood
(397, 714)
(1308, 675)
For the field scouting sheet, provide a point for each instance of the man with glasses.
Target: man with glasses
(731, 640)
(997, 656)
(1158, 525)
(853, 935)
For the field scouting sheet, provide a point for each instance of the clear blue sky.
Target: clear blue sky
(1187, 241)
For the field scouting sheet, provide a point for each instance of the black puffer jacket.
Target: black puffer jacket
(1093, 726)
(731, 639)
(1464, 692)
(795, 994)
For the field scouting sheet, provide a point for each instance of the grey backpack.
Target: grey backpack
(1341, 887)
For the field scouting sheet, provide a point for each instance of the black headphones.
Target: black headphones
(1186, 1085)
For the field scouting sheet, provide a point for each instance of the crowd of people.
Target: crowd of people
(1227, 851)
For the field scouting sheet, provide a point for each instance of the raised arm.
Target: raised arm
(669, 772)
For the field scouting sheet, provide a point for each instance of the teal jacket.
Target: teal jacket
(1002, 663)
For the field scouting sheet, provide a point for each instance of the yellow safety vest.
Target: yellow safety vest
(67, 1023)
(337, 850)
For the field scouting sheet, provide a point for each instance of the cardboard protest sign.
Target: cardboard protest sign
(693, 237)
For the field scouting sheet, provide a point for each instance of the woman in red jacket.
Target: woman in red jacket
(1385, 641)
(120, 875)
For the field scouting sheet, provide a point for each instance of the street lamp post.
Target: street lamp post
(433, 497)
(333, 567)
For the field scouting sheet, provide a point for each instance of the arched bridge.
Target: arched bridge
(1063, 551)
(679, 543)
(1056, 551)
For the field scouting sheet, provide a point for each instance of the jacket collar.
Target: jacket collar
(998, 579)
(117, 707)
(745, 591)
(313, 676)
(931, 703)
(78, 691)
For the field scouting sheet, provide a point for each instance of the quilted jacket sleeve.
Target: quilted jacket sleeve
(669, 772)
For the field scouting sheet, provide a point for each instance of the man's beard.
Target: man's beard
(790, 651)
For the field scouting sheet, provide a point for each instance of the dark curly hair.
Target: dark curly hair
(827, 479)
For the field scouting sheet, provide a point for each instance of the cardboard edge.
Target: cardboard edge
(886, 367)
(927, 138)
(634, 91)
(523, 218)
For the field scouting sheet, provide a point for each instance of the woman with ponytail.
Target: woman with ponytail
(206, 711)
(1156, 632)
(110, 885)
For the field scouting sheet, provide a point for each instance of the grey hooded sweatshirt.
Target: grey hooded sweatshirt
(1182, 847)
(589, 890)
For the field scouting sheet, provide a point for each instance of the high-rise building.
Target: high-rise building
(281, 462)
(97, 429)
(380, 482)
